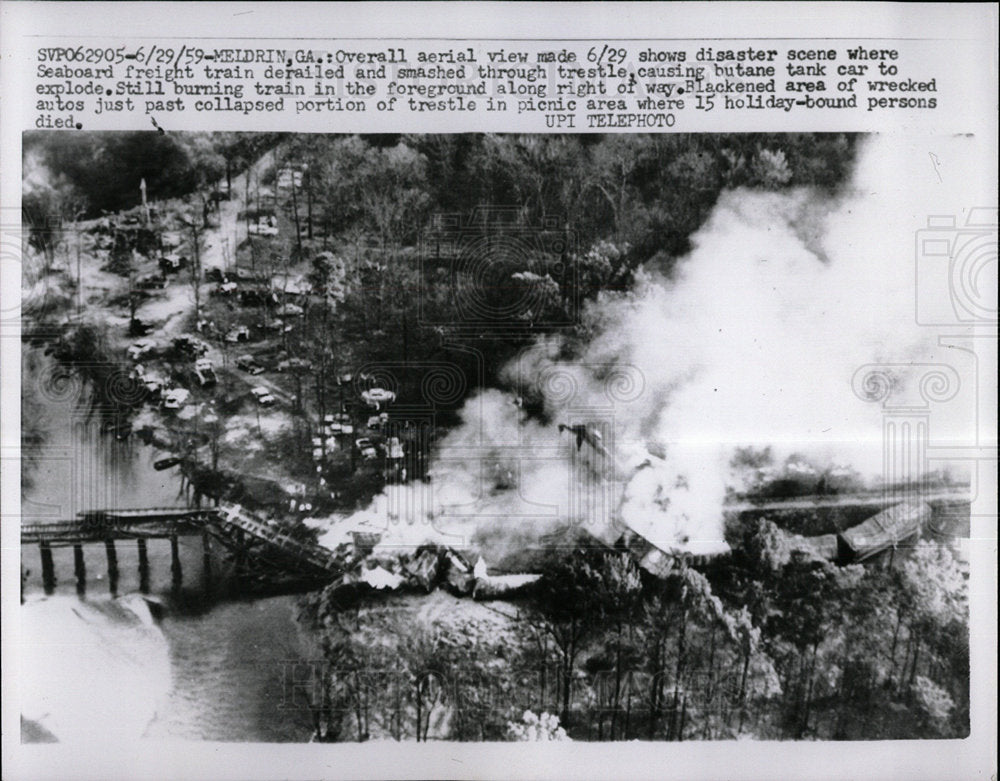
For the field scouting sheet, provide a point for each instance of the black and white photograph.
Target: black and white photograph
(486, 437)
(498, 390)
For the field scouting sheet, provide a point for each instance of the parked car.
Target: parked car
(249, 365)
(151, 282)
(239, 333)
(366, 448)
(175, 398)
(141, 348)
(224, 289)
(317, 446)
(375, 422)
(294, 365)
(339, 423)
(263, 396)
(243, 274)
(190, 345)
(290, 310)
(377, 397)
(172, 263)
(205, 372)
(215, 274)
(153, 384)
(275, 326)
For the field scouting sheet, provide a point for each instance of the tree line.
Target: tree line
(762, 644)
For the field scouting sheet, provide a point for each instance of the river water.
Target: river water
(227, 656)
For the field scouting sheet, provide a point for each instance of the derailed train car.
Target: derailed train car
(884, 530)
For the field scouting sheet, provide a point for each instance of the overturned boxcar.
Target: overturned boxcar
(884, 530)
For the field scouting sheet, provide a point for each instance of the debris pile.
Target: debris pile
(424, 569)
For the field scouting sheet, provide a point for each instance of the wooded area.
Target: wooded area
(762, 644)
(457, 251)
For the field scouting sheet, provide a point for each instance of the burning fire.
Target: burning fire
(752, 341)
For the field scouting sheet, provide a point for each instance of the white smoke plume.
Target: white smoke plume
(753, 342)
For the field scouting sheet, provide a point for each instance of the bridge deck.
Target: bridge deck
(140, 514)
(315, 555)
(145, 523)
(77, 533)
